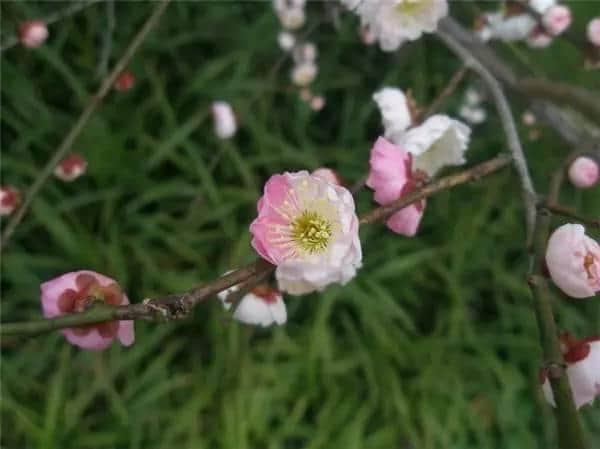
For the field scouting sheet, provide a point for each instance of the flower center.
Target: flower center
(408, 6)
(588, 263)
(311, 231)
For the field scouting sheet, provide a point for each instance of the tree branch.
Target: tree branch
(508, 123)
(91, 107)
(177, 306)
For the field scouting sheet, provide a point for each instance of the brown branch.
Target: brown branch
(567, 212)
(86, 114)
(445, 93)
(179, 305)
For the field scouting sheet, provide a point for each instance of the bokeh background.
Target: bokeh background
(433, 345)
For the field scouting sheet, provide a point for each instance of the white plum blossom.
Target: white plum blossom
(438, 142)
(393, 105)
(225, 124)
(394, 22)
(286, 40)
(263, 306)
(593, 31)
(304, 74)
(290, 13)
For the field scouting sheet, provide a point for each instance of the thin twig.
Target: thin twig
(508, 123)
(107, 39)
(446, 92)
(91, 107)
(177, 306)
(558, 209)
(70, 10)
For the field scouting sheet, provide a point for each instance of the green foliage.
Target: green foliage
(433, 345)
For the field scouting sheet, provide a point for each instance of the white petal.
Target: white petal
(394, 111)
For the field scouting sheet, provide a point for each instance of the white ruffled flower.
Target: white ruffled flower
(438, 142)
(225, 124)
(394, 110)
(263, 306)
(583, 371)
(395, 21)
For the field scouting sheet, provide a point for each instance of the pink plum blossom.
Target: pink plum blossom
(391, 176)
(584, 172)
(583, 370)
(33, 33)
(262, 306)
(73, 292)
(10, 198)
(317, 103)
(225, 123)
(573, 260)
(71, 167)
(593, 31)
(557, 19)
(309, 229)
(328, 175)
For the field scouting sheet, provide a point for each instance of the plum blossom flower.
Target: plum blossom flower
(305, 73)
(327, 174)
(73, 292)
(438, 142)
(10, 198)
(317, 102)
(225, 124)
(584, 172)
(309, 229)
(262, 306)
(391, 176)
(557, 19)
(290, 13)
(286, 40)
(125, 81)
(593, 31)
(33, 33)
(583, 370)
(395, 111)
(573, 260)
(394, 22)
(71, 167)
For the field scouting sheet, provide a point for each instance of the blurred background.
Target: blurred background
(433, 345)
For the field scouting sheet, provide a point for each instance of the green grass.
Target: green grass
(433, 345)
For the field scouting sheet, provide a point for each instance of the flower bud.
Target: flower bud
(557, 19)
(225, 123)
(33, 33)
(304, 74)
(593, 31)
(286, 40)
(584, 172)
(71, 167)
(317, 103)
(124, 82)
(76, 291)
(10, 198)
(573, 260)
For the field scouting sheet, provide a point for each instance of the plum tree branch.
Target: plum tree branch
(86, 114)
(177, 306)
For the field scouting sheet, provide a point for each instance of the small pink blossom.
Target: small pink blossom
(573, 260)
(317, 103)
(73, 292)
(304, 73)
(71, 168)
(583, 370)
(33, 33)
(10, 198)
(391, 176)
(593, 31)
(308, 228)
(328, 175)
(557, 19)
(224, 120)
(262, 306)
(125, 81)
(584, 172)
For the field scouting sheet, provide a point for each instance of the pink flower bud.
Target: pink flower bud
(125, 81)
(391, 176)
(10, 198)
(327, 174)
(583, 370)
(528, 118)
(584, 172)
(573, 260)
(33, 33)
(71, 168)
(593, 31)
(225, 123)
(557, 19)
(262, 306)
(76, 291)
(317, 103)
